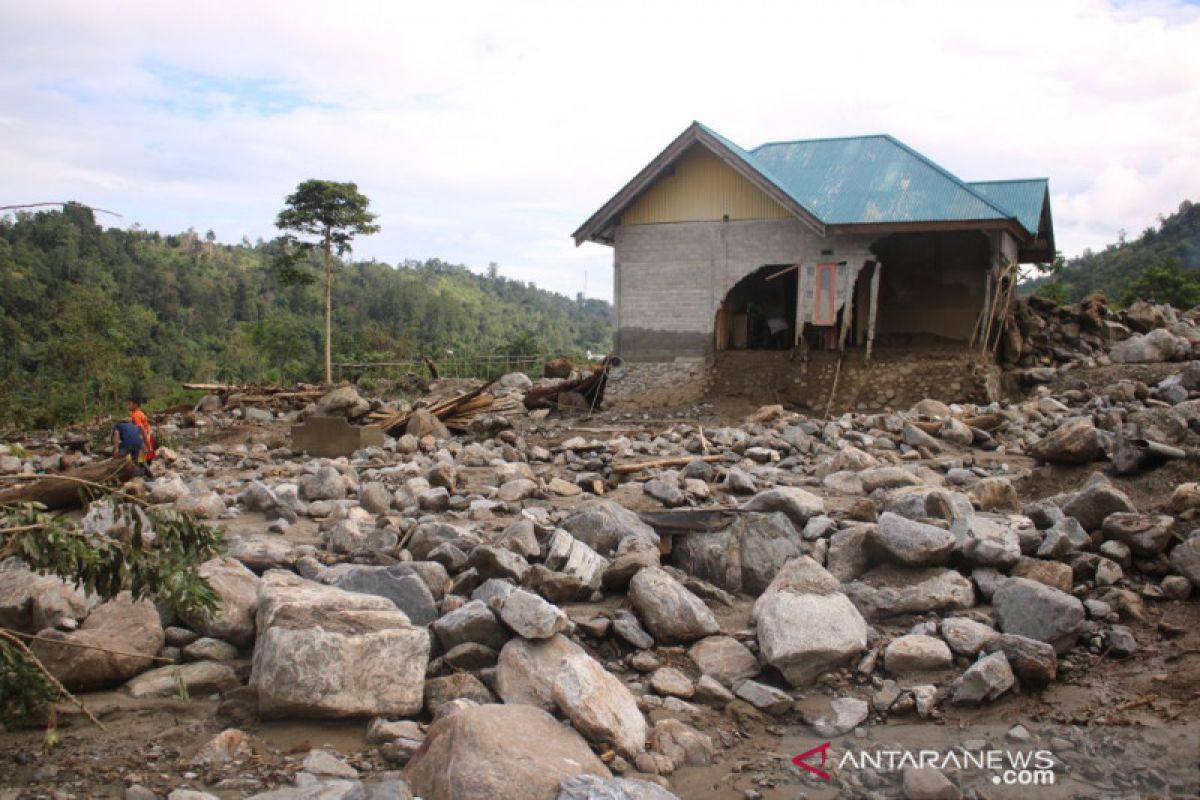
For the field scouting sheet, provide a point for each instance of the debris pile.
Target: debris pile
(547, 612)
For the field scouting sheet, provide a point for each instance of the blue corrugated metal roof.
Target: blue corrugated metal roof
(870, 179)
(1022, 199)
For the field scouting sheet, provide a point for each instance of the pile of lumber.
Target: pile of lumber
(457, 412)
(590, 387)
(250, 394)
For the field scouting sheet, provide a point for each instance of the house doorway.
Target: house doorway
(759, 312)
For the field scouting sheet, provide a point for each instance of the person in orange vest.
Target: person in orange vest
(139, 418)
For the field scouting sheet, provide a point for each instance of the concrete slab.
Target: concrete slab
(332, 437)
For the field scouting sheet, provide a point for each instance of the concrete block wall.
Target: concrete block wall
(671, 278)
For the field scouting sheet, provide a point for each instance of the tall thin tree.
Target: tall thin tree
(330, 215)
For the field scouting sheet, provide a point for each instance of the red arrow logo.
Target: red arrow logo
(823, 749)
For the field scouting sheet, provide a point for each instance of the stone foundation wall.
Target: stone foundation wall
(660, 384)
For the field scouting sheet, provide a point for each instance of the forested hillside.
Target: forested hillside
(1163, 263)
(89, 315)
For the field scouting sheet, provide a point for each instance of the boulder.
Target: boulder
(527, 669)
(724, 659)
(344, 401)
(567, 555)
(199, 678)
(806, 626)
(1034, 662)
(989, 541)
(375, 498)
(986, 679)
(399, 583)
(471, 622)
(889, 591)
(325, 652)
(671, 612)
(203, 505)
(902, 541)
(1147, 535)
(1151, 348)
(422, 423)
(1032, 609)
(844, 715)
(589, 787)
(1092, 504)
(121, 625)
(1076, 441)
(499, 752)
(743, 557)
(530, 616)
(681, 743)
(603, 525)
(1185, 559)
(599, 705)
(237, 602)
(795, 503)
(916, 653)
(325, 484)
(967, 637)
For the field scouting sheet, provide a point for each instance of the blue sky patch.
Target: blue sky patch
(198, 94)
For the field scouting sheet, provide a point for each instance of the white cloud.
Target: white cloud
(488, 132)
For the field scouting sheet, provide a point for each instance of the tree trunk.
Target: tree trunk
(65, 491)
(328, 315)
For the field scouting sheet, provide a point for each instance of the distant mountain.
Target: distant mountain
(1163, 261)
(88, 316)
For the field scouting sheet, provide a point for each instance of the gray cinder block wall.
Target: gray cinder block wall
(670, 279)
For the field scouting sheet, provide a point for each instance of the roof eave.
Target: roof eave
(931, 226)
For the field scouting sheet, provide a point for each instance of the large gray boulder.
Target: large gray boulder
(237, 602)
(1185, 559)
(725, 659)
(897, 540)
(1154, 347)
(527, 670)
(1147, 535)
(1028, 608)
(599, 705)
(603, 525)
(671, 612)
(743, 557)
(795, 503)
(1076, 441)
(889, 591)
(805, 624)
(325, 652)
(590, 787)
(120, 636)
(398, 583)
(499, 752)
(471, 622)
(1095, 501)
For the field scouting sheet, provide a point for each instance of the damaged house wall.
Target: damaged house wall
(672, 278)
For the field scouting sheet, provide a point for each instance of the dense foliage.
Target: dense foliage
(89, 315)
(1163, 264)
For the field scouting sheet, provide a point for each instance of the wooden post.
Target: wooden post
(987, 301)
(874, 308)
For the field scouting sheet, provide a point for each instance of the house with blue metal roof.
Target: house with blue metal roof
(839, 244)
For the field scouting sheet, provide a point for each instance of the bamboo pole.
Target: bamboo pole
(680, 461)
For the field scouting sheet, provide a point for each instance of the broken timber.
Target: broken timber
(682, 461)
(457, 412)
(69, 489)
(591, 387)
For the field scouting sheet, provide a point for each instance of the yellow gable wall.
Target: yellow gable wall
(703, 188)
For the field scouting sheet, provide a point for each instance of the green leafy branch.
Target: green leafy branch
(147, 551)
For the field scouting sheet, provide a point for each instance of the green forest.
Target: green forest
(1162, 264)
(89, 316)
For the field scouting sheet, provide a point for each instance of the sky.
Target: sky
(488, 132)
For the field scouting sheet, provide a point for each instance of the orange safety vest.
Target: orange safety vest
(140, 419)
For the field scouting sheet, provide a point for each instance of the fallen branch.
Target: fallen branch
(35, 638)
(65, 491)
(55, 682)
(681, 461)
